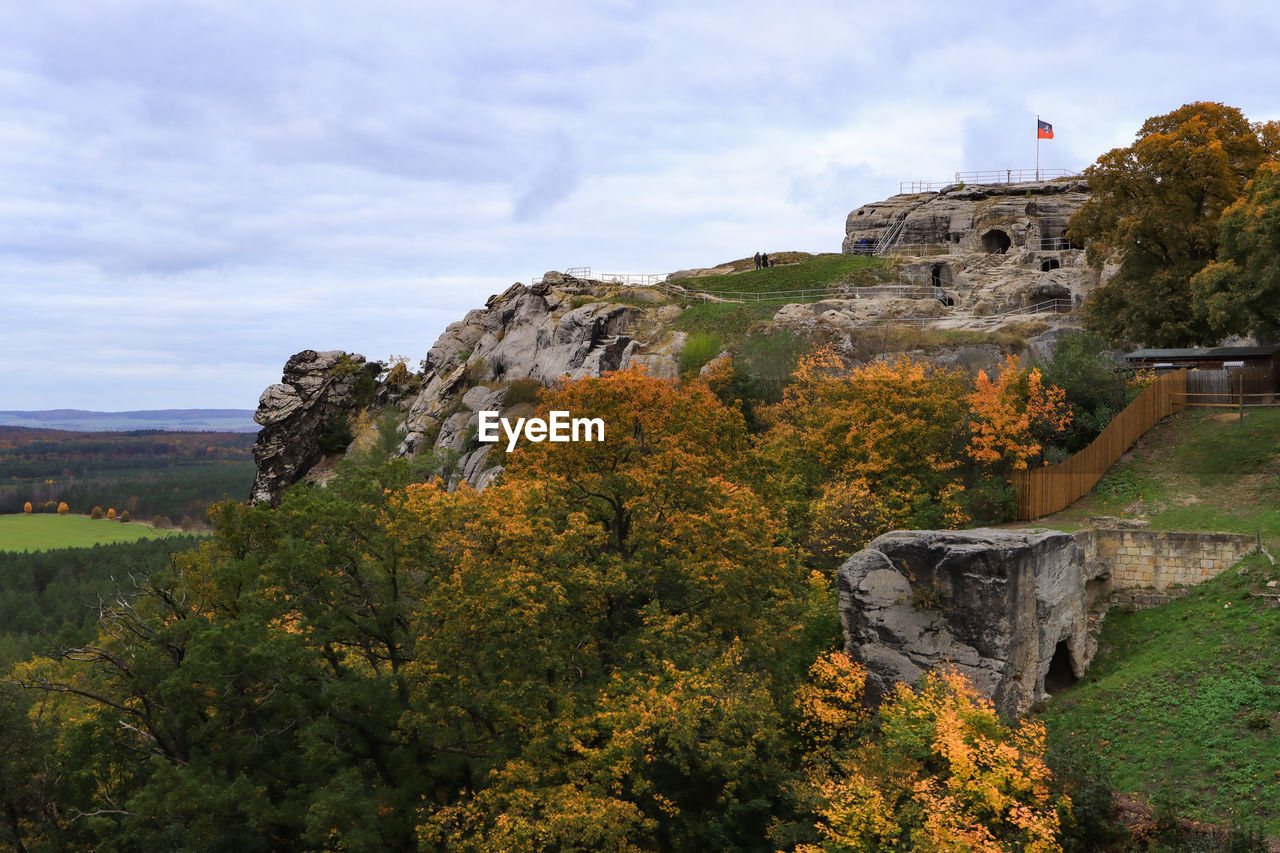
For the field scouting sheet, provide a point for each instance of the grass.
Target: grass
(730, 321)
(44, 531)
(1182, 702)
(1197, 470)
(808, 273)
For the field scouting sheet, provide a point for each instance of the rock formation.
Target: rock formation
(1008, 608)
(984, 251)
(314, 399)
(994, 247)
(559, 327)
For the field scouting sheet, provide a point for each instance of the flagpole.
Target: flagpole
(1037, 147)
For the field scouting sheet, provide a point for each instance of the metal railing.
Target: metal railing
(816, 294)
(585, 274)
(990, 176)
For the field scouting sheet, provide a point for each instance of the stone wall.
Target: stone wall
(1159, 559)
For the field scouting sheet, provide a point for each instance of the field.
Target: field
(45, 531)
(1182, 703)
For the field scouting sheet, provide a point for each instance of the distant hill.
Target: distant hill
(182, 420)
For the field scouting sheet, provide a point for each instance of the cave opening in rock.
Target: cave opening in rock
(940, 276)
(1050, 264)
(996, 241)
(1060, 675)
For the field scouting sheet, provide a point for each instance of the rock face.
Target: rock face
(993, 248)
(1009, 609)
(560, 327)
(991, 218)
(317, 389)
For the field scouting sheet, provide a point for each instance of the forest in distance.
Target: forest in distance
(151, 474)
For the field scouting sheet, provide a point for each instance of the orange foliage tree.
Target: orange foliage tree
(852, 452)
(604, 632)
(1014, 415)
(942, 773)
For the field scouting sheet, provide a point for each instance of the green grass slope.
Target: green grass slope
(1182, 702)
(41, 532)
(798, 272)
(1197, 470)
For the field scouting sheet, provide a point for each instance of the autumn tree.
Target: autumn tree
(1014, 416)
(1155, 207)
(598, 652)
(63, 509)
(940, 772)
(27, 508)
(658, 621)
(852, 452)
(1239, 293)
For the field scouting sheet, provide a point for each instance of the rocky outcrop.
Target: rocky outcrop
(1007, 608)
(991, 218)
(299, 416)
(559, 327)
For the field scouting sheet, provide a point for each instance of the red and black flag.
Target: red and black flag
(1044, 130)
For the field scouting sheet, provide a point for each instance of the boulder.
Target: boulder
(1001, 606)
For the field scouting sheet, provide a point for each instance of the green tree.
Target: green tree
(1155, 207)
(1097, 385)
(1239, 293)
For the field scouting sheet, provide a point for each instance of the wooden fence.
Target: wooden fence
(1053, 487)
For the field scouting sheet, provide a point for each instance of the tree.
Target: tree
(63, 509)
(1240, 292)
(1096, 383)
(941, 773)
(27, 508)
(1014, 416)
(887, 437)
(1156, 207)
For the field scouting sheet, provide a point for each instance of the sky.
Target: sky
(191, 192)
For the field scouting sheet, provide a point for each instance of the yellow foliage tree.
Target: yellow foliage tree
(111, 512)
(27, 508)
(852, 452)
(943, 772)
(63, 509)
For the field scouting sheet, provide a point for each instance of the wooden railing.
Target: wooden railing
(1045, 490)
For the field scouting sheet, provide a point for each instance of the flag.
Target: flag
(1044, 130)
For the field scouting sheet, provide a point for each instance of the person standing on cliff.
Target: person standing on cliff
(764, 259)
(757, 260)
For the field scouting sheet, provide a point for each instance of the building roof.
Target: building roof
(1199, 353)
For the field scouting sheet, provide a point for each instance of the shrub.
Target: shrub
(97, 513)
(162, 522)
(124, 517)
(522, 391)
(111, 512)
(63, 509)
(699, 348)
(26, 507)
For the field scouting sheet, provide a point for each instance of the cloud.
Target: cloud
(224, 183)
(553, 184)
